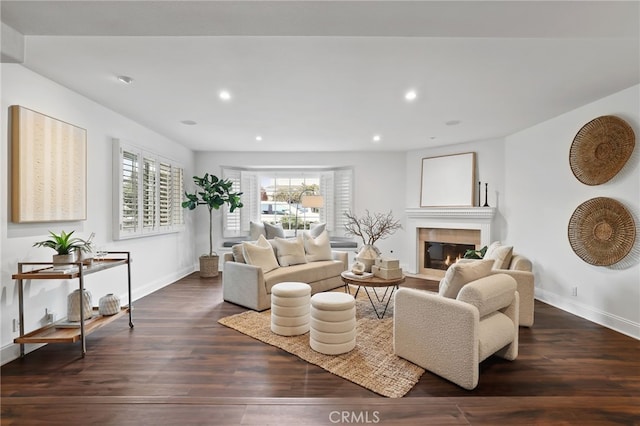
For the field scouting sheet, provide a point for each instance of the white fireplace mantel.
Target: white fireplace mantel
(480, 218)
(442, 213)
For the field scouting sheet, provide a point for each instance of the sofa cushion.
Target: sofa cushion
(461, 273)
(317, 248)
(290, 251)
(317, 228)
(305, 273)
(489, 294)
(273, 230)
(238, 256)
(500, 254)
(260, 254)
(255, 230)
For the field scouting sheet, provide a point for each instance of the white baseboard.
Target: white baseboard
(605, 319)
(11, 351)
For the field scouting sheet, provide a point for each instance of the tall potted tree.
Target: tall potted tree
(214, 194)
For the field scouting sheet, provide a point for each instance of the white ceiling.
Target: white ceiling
(327, 76)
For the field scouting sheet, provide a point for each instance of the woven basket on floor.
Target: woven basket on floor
(209, 266)
(600, 149)
(601, 231)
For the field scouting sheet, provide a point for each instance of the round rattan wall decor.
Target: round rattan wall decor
(601, 231)
(600, 149)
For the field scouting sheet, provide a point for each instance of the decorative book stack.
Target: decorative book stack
(388, 269)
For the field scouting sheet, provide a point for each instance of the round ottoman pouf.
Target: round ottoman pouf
(290, 308)
(333, 323)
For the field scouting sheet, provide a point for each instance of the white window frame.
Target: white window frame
(151, 216)
(336, 185)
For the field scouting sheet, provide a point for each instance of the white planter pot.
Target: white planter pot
(63, 261)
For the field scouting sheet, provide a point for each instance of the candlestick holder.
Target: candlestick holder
(486, 188)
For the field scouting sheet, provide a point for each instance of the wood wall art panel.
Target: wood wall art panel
(49, 168)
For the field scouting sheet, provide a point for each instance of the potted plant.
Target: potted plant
(214, 193)
(65, 246)
(370, 228)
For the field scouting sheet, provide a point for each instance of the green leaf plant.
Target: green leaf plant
(475, 254)
(214, 194)
(64, 243)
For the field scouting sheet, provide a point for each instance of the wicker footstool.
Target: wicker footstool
(333, 323)
(290, 308)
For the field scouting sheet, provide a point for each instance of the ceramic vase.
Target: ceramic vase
(357, 268)
(75, 305)
(109, 304)
(368, 255)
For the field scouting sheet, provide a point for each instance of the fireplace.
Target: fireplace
(439, 248)
(440, 232)
(442, 255)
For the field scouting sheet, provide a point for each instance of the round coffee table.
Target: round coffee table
(373, 281)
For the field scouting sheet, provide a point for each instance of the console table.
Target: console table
(52, 334)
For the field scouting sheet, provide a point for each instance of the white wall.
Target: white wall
(379, 181)
(158, 260)
(541, 196)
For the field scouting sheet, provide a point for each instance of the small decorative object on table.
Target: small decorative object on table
(357, 268)
(374, 227)
(109, 305)
(74, 305)
(387, 269)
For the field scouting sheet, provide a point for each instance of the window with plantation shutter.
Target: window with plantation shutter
(232, 221)
(272, 195)
(129, 202)
(147, 193)
(164, 195)
(177, 189)
(342, 197)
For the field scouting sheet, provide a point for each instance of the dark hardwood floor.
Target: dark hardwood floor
(179, 366)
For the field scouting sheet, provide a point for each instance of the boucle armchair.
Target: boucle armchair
(450, 337)
(521, 269)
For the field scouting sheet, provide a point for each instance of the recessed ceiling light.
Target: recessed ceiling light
(258, 138)
(188, 122)
(224, 95)
(411, 95)
(125, 79)
(452, 122)
(377, 138)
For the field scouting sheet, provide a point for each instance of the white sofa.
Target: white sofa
(249, 286)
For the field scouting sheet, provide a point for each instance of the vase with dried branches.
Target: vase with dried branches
(370, 228)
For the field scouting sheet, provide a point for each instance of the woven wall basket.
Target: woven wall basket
(601, 231)
(600, 149)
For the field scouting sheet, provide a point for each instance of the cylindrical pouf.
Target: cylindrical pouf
(333, 323)
(109, 304)
(74, 303)
(290, 308)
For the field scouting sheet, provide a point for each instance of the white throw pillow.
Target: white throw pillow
(500, 254)
(461, 273)
(273, 231)
(255, 230)
(317, 248)
(260, 254)
(290, 251)
(316, 229)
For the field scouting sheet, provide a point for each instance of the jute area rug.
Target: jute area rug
(371, 364)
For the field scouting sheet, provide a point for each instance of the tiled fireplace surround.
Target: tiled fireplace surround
(445, 218)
